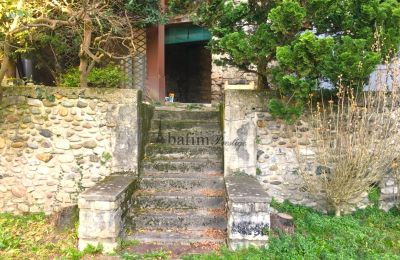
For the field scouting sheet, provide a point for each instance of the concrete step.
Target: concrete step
(187, 138)
(180, 199)
(180, 236)
(177, 106)
(183, 166)
(175, 250)
(193, 125)
(186, 183)
(186, 115)
(182, 152)
(172, 219)
(197, 175)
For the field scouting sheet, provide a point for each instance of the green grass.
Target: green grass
(366, 234)
(152, 255)
(35, 237)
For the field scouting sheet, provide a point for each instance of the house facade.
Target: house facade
(179, 62)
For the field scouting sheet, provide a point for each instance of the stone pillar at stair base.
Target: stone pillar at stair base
(248, 212)
(240, 153)
(103, 212)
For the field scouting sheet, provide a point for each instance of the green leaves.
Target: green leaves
(304, 54)
(238, 47)
(289, 113)
(352, 60)
(298, 44)
(147, 10)
(287, 18)
(109, 76)
(367, 234)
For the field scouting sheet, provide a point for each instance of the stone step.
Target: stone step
(192, 125)
(158, 174)
(175, 250)
(183, 166)
(186, 115)
(180, 199)
(172, 219)
(183, 236)
(187, 183)
(187, 138)
(183, 152)
(177, 106)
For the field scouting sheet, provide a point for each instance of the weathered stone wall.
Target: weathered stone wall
(221, 74)
(57, 142)
(278, 163)
(267, 151)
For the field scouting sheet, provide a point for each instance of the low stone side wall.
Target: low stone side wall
(248, 212)
(103, 211)
(240, 151)
(57, 142)
(259, 145)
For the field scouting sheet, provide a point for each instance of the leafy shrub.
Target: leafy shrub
(374, 196)
(71, 78)
(110, 76)
(179, 7)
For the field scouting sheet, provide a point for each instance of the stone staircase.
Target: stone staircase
(181, 200)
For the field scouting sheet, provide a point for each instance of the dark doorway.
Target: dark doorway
(188, 72)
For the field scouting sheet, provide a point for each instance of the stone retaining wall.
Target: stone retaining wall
(258, 145)
(57, 142)
(278, 163)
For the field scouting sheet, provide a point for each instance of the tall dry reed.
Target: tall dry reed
(356, 140)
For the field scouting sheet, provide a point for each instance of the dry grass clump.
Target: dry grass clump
(34, 237)
(356, 141)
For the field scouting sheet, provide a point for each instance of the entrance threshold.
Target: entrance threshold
(177, 106)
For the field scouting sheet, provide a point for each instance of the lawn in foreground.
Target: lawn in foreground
(35, 237)
(366, 234)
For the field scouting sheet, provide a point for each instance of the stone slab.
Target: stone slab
(109, 189)
(111, 95)
(245, 189)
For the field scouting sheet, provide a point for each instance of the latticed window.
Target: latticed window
(135, 66)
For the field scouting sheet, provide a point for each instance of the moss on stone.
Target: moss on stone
(111, 95)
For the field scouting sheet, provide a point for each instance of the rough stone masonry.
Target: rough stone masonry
(57, 142)
(268, 152)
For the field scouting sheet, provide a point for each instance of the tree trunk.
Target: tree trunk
(5, 64)
(262, 80)
(83, 56)
(83, 75)
(12, 69)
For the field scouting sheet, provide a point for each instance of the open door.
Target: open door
(188, 64)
